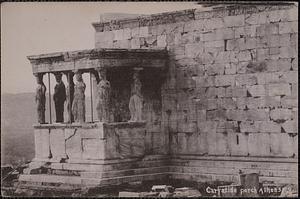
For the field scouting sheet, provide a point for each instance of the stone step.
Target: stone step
(230, 178)
(109, 167)
(232, 171)
(56, 180)
(204, 177)
(125, 172)
(287, 166)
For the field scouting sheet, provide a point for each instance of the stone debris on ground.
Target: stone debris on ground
(164, 191)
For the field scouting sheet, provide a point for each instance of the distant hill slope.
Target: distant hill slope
(18, 114)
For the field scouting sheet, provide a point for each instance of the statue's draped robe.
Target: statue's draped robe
(103, 89)
(40, 99)
(136, 102)
(59, 98)
(78, 106)
(70, 94)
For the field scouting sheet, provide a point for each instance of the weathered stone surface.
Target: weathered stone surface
(230, 68)
(224, 80)
(193, 25)
(295, 90)
(249, 127)
(205, 81)
(244, 56)
(214, 69)
(281, 145)
(279, 89)
(234, 21)
(257, 114)
(57, 144)
(269, 127)
(295, 64)
(193, 50)
(238, 144)
(161, 41)
(259, 144)
(213, 23)
(259, 18)
(239, 70)
(226, 103)
(42, 143)
(73, 143)
(289, 102)
(224, 33)
(218, 114)
(288, 52)
(288, 27)
(280, 114)
(256, 90)
(104, 36)
(236, 115)
(247, 79)
(290, 126)
(236, 91)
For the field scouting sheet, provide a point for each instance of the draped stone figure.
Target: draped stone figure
(78, 106)
(103, 91)
(136, 102)
(59, 97)
(70, 96)
(40, 98)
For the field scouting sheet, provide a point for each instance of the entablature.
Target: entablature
(98, 58)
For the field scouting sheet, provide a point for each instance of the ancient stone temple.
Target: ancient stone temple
(200, 95)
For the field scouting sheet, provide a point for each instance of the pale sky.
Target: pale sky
(29, 28)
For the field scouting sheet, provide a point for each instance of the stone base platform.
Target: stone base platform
(277, 171)
(84, 175)
(209, 169)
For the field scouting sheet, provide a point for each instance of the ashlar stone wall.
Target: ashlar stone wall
(232, 83)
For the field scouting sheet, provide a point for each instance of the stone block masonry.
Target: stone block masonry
(238, 65)
(228, 102)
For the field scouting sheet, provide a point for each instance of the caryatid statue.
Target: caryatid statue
(78, 106)
(40, 98)
(136, 100)
(103, 90)
(59, 97)
(70, 96)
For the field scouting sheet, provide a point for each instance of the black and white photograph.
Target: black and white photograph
(163, 99)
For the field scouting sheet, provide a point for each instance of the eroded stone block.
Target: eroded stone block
(290, 126)
(259, 144)
(57, 144)
(238, 144)
(249, 127)
(279, 89)
(42, 143)
(256, 90)
(281, 114)
(269, 127)
(247, 79)
(234, 21)
(288, 27)
(225, 80)
(257, 114)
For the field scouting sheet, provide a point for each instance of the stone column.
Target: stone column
(136, 99)
(78, 105)
(40, 98)
(70, 95)
(103, 100)
(59, 97)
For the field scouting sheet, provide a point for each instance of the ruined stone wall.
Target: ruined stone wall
(232, 84)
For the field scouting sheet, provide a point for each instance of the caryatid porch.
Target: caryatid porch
(127, 81)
